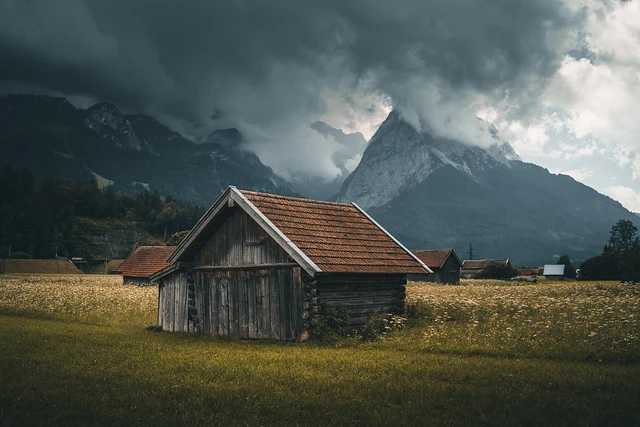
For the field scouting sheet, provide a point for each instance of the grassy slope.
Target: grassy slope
(76, 353)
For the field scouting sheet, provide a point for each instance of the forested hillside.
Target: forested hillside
(77, 219)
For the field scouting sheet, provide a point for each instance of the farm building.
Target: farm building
(258, 265)
(530, 271)
(142, 263)
(39, 266)
(444, 263)
(471, 267)
(553, 271)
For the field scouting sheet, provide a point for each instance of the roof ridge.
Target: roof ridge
(301, 199)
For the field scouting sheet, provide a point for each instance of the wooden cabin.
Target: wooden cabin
(259, 265)
(142, 263)
(471, 267)
(444, 263)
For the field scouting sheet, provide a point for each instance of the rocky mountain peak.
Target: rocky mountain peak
(107, 121)
(399, 157)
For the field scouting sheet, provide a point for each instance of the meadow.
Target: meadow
(79, 350)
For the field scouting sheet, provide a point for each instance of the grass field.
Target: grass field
(75, 351)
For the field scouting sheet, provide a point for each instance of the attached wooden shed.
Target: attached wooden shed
(444, 263)
(142, 263)
(258, 265)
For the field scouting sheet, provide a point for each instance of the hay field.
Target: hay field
(76, 351)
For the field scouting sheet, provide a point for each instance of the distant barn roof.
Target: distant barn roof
(435, 258)
(323, 237)
(145, 261)
(553, 270)
(470, 264)
(44, 266)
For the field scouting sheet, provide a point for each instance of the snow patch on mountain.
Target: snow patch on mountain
(461, 167)
(107, 121)
(101, 181)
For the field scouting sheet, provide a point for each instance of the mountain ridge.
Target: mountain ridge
(430, 192)
(50, 136)
(433, 192)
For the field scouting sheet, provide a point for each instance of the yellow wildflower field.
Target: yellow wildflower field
(95, 299)
(568, 320)
(562, 320)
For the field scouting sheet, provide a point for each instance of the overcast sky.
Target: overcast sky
(560, 80)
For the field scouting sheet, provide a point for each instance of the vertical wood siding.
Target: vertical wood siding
(450, 272)
(173, 303)
(240, 241)
(251, 302)
(259, 303)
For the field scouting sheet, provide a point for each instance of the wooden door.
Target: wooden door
(253, 303)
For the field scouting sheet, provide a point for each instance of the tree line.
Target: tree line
(620, 258)
(40, 220)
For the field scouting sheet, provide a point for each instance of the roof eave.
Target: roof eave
(164, 272)
(202, 223)
(422, 264)
(456, 256)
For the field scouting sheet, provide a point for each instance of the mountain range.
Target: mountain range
(433, 192)
(428, 191)
(131, 152)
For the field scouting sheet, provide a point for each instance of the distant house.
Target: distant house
(530, 271)
(471, 267)
(444, 263)
(259, 265)
(553, 271)
(142, 263)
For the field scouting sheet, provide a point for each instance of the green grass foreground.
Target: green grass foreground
(75, 351)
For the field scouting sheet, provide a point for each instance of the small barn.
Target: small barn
(530, 271)
(142, 263)
(444, 263)
(471, 267)
(258, 265)
(553, 271)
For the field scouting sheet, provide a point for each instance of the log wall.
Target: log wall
(361, 295)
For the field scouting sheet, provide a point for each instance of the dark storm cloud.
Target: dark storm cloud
(266, 64)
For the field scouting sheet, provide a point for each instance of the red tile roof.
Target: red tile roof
(145, 261)
(433, 258)
(337, 237)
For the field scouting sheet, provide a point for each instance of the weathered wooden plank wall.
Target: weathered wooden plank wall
(172, 302)
(362, 295)
(450, 272)
(240, 241)
(257, 303)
